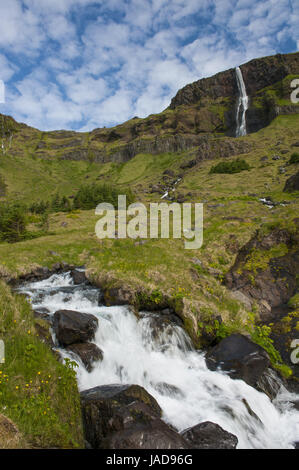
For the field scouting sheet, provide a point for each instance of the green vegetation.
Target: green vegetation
(259, 259)
(230, 167)
(294, 301)
(89, 196)
(294, 158)
(12, 222)
(36, 391)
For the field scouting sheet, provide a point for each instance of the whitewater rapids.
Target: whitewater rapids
(164, 362)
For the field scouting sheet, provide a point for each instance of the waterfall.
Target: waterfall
(242, 105)
(159, 356)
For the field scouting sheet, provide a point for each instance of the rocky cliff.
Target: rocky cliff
(258, 74)
(200, 113)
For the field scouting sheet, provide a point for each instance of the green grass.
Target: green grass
(36, 391)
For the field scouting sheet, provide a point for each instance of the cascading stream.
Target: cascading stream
(242, 105)
(160, 357)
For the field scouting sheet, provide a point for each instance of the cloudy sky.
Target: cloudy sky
(82, 64)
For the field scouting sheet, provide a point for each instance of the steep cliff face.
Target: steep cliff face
(257, 74)
(199, 113)
(267, 82)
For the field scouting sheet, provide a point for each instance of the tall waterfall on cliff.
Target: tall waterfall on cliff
(242, 105)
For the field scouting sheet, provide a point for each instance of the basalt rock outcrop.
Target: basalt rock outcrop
(265, 270)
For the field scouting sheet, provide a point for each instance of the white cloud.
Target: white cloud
(86, 71)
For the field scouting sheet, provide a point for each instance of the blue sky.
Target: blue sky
(82, 64)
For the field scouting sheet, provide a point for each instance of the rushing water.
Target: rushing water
(242, 105)
(163, 361)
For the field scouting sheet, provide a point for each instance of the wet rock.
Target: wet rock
(118, 296)
(270, 383)
(241, 358)
(168, 390)
(126, 417)
(78, 277)
(73, 327)
(37, 274)
(292, 184)
(88, 353)
(250, 410)
(43, 313)
(209, 435)
(296, 404)
(159, 322)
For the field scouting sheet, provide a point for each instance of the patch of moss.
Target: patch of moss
(258, 260)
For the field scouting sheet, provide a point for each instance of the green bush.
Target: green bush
(294, 158)
(230, 167)
(89, 196)
(12, 222)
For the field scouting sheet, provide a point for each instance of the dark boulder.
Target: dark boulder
(241, 358)
(292, 183)
(73, 327)
(118, 296)
(78, 277)
(88, 353)
(209, 435)
(126, 417)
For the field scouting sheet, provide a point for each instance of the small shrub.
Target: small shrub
(294, 158)
(12, 222)
(230, 167)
